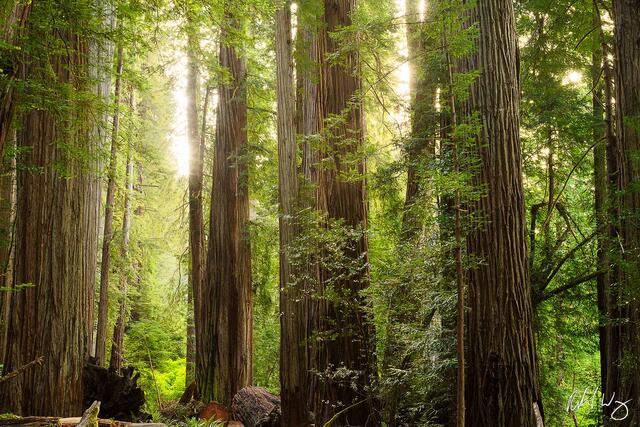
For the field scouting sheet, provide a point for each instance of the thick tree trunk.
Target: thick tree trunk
(105, 266)
(339, 316)
(56, 240)
(625, 378)
(502, 380)
(293, 367)
(227, 313)
(117, 347)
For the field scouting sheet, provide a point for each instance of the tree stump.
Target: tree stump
(256, 407)
(120, 396)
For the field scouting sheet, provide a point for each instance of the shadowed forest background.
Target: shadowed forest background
(379, 212)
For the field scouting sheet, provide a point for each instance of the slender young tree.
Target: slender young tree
(227, 313)
(117, 347)
(624, 375)
(196, 224)
(601, 132)
(56, 231)
(502, 381)
(105, 266)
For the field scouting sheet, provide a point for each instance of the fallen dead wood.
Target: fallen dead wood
(90, 416)
(120, 396)
(256, 407)
(68, 422)
(21, 369)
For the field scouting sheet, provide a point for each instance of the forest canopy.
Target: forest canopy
(320, 212)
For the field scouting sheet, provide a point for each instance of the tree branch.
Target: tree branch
(571, 284)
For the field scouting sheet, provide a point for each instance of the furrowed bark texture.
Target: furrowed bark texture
(502, 383)
(227, 298)
(56, 245)
(340, 317)
(7, 246)
(624, 378)
(293, 366)
(13, 26)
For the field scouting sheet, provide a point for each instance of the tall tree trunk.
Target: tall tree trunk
(101, 57)
(422, 88)
(457, 251)
(341, 319)
(625, 380)
(117, 347)
(228, 313)
(56, 238)
(196, 227)
(419, 151)
(601, 194)
(502, 378)
(612, 337)
(105, 266)
(7, 247)
(293, 368)
(309, 125)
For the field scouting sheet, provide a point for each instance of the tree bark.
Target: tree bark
(117, 348)
(256, 407)
(7, 246)
(340, 317)
(105, 266)
(601, 194)
(14, 24)
(293, 367)
(56, 237)
(625, 377)
(424, 120)
(227, 313)
(196, 223)
(502, 378)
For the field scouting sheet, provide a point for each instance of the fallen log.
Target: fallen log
(68, 422)
(256, 407)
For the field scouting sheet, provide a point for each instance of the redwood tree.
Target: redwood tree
(226, 308)
(105, 266)
(343, 336)
(196, 223)
(56, 231)
(623, 371)
(502, 382)
(293, 360)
